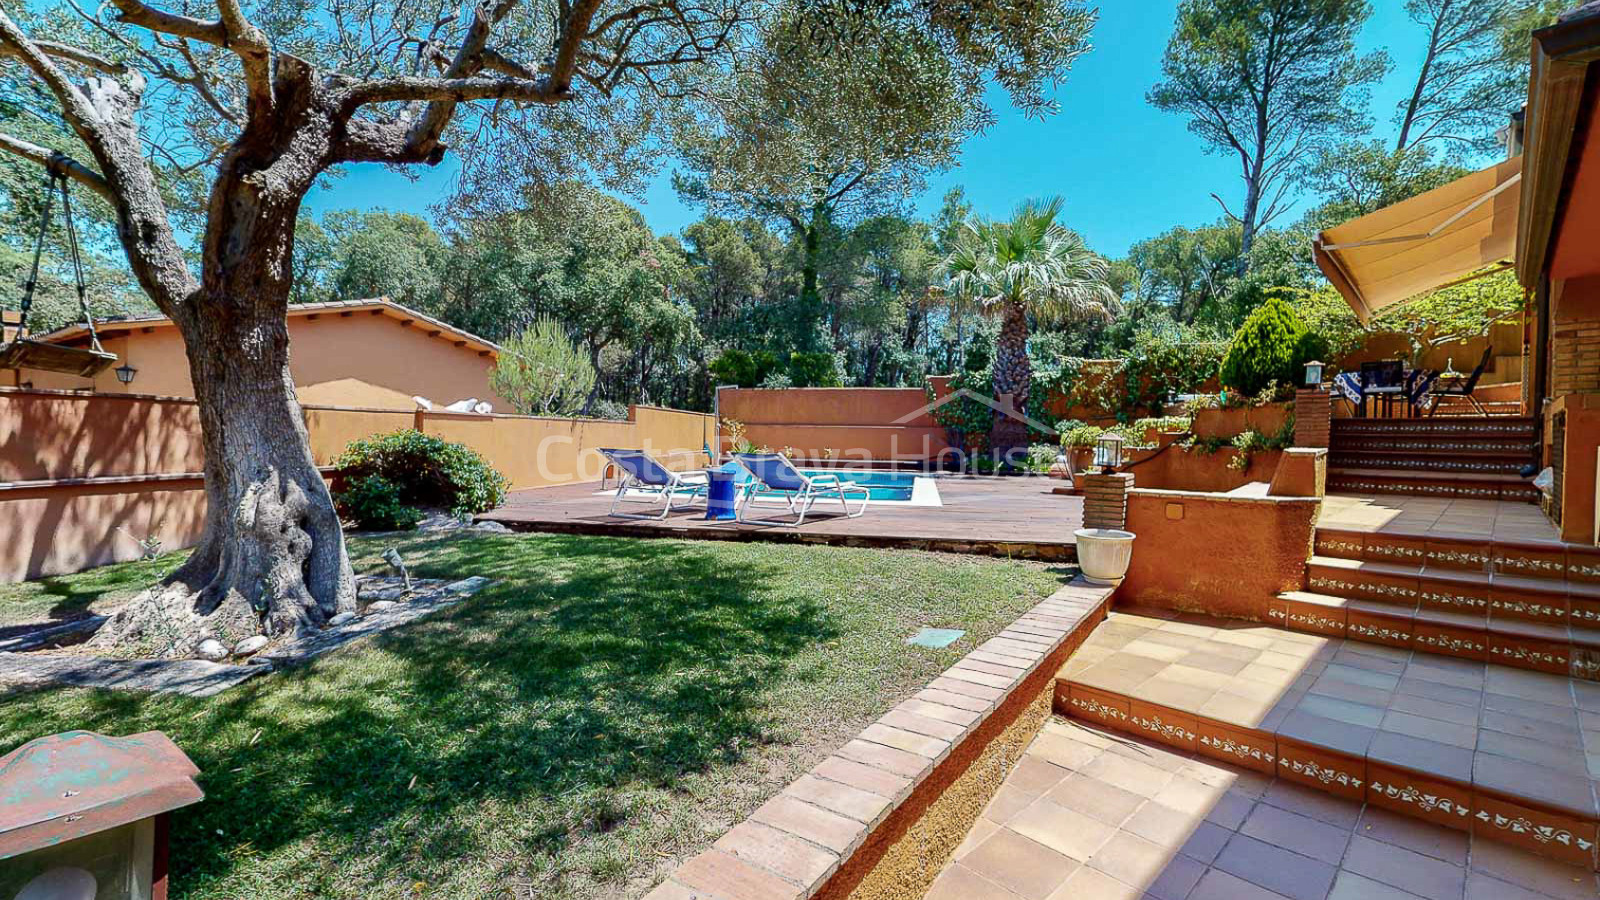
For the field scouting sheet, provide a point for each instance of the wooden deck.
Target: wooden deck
(1017, 517)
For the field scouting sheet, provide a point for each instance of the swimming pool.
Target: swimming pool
(892, 487)
(883, 486)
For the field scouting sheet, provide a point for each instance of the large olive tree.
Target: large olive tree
(250, 103)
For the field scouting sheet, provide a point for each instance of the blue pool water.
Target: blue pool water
(881, 485)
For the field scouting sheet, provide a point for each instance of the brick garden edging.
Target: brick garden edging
(873, 820)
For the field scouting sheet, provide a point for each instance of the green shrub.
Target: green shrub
(428, 471)
(1042, 456)
(813, 369)
(373, 503)
(1272, 345)
(743, 368)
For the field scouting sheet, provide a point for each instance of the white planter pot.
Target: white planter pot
(1104, 554)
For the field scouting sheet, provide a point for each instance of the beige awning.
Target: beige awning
(1450, 234)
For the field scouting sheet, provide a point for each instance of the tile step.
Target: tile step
(1459, 464)
(1454, 425)
(1353, 720)
(1556, 649)
(1432, 484)
(1436, 551)
(1496, 595)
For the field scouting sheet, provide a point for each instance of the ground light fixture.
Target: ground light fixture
(1314, 374)
(1108, 452)
(125, 373)
(85, 817)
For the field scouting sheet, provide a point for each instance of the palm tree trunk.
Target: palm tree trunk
(1013, 375)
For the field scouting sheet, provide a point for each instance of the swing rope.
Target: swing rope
(52, 177)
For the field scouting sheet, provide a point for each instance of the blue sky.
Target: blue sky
(1127, 171)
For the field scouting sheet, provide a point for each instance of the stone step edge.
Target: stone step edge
(1493, 596)
(1434, 797)
(1515, 481)
(838, 820)
(1464, 553)
(1567, 651)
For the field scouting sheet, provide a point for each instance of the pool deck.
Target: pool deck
(1017, 517)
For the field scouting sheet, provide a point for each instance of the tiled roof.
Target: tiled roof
(379, 305)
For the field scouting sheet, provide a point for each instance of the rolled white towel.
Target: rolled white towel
(423, 402)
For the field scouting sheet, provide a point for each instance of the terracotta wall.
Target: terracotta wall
(361, 359)
(60, 529)
(853, 423)
(1214, 553)
(1227, 423)
(76, 467)
(52, 436)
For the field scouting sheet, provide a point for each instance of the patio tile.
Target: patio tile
(1549, 878)
(1300, 834)
(864, 777)
(957, 882)
(1095, 798)
(1219, 885)
(863, 806)
(1443, 844)
(1130, 859)
(1405, 869)
(725, 875)
(1276, 869)
(1350, 886)
(1066, 831)
(1130, 775)
(1089, 884)
(1022, 866)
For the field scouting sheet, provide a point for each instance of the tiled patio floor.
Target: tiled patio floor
(1492, 726)
(1395, 513)
(1090, 815)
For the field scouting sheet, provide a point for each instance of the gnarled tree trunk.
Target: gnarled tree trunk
(271, 559)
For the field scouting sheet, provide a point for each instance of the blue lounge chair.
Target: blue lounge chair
(773, 473)
(660, 485)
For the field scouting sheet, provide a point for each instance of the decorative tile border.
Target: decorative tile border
(1456, 804)
(884, 780)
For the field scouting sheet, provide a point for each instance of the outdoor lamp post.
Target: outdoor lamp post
(125, 373)
(1108, 451)
(85, 817)
(1314, 374)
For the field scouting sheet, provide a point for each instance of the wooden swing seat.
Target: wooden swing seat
(26, 353)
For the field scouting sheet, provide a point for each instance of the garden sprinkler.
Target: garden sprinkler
(392, 557)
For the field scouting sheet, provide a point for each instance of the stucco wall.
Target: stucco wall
(850, 423)
(75, 467)
(1219, 554)
(358, 358)
(61, 529)
(51, 436)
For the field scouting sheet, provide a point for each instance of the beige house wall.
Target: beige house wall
(358, 358)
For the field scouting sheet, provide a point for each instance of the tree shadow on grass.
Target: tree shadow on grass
(590, 665)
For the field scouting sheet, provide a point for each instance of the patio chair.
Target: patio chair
(660, 484)
(773, 473)
(1458, 387)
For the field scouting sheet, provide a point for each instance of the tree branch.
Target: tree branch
(456, 90)
(134, 12)
(72, 54)
(57, 161)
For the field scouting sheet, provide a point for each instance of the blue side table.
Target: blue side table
(722, 493)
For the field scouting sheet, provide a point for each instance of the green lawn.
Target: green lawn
(605, 709)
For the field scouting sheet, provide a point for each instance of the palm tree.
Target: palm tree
(1028, 265)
